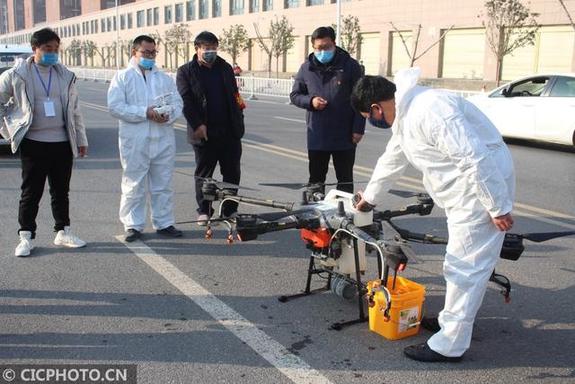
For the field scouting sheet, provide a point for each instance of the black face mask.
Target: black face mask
(383, 124)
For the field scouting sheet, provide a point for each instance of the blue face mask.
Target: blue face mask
(383, 124)
(209, 56)
(48, 58)
(324, 56)
(147, 63)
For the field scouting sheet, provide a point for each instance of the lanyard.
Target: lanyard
(47, 89)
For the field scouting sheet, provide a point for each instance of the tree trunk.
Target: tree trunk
(498, 71)
(270, 66)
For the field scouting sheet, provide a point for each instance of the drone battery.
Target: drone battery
(404, 314)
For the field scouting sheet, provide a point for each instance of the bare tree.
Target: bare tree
(350, 32)
(412, 52)
(234, 41)
(509, 25)
(175, 37)
(282, 38)
(89, 48)
(75, 52)
(266, 46)
(104, 53)
(567, 13)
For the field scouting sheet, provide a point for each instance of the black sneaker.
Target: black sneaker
(431, 324)
(132, 235)
(422, 352)
(170, 231)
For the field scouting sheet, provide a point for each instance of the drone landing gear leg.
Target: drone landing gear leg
(308, 291)
(360, 292)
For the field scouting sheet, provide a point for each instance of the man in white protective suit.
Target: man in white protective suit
(467, 169)
(147, 103)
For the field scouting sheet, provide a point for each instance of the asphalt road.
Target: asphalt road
(201, 311)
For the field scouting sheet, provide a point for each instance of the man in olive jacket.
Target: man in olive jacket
(213, 110)
(323, 87)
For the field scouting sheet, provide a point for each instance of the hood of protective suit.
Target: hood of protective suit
(406, 83)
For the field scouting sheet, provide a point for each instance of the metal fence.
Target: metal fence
(249, 86)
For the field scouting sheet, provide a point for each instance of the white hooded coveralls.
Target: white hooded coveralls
(467, 169)
(147, 149)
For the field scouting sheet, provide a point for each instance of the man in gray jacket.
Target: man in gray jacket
(41, 117)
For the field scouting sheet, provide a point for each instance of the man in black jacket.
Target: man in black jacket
(213, 109)
(323, 87)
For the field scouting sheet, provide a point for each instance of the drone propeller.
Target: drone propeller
(209, 221)
(406, 194)
(273, 216)
(296, 186)
(544, 236)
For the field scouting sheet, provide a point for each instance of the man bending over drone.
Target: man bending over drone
(467, 169)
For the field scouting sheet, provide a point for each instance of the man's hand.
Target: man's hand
(83, 151)
(318, 103)
(503, 223)
(356, 138)
(151, 114)
(201, 133)
(362, 205)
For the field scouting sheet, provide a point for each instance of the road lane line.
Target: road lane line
(289, 119)
(293, 367)
(520, 208)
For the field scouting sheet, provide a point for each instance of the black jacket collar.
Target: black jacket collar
(339, 59)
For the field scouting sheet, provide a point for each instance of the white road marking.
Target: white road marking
(289, 119)
(276, 354)
(520, 208)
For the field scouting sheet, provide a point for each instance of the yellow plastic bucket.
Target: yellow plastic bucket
(400, 319)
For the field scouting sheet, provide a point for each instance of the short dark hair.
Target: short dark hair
(322, 33)
(206, 38)
(140, 39)
(370, 90)
(43, 36)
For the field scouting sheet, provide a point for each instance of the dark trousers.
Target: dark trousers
(226, 152)
(342, 162)
(40, 161)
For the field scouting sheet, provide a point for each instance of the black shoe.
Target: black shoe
(170, 231)
(132, 235)
(431, 324)
(422, 352)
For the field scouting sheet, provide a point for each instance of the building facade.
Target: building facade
(464, 53)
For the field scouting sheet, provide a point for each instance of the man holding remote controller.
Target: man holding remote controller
(147, 103)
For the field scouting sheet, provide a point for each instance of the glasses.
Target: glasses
(149, 53)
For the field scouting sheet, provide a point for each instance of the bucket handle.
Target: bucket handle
(371, 301)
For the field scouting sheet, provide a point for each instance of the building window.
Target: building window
(236, 7)
(314, 2)
(291, 3)
(179, 13)
(268, 5)
(105, 4)
(149, 17)
(191, 10)
(156, 15)
(39, 11)
(109, 24)
(168, 14)
(103, 25)
(129, 21)
(140, 19)
(95, 26)
(216, 8)
(19, 21)
(68, 8)
(254, 6)
(122, 21)
(204, 9)
(114, 23)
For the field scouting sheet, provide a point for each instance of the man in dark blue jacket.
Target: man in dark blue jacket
(323, 87)
(213, 109)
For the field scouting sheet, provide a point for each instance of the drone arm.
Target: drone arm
(287, 206)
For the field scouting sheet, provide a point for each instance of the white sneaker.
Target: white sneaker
(25, 245)
(67, 239)
(203, 220)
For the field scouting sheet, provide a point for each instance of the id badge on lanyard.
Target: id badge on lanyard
(49, 109)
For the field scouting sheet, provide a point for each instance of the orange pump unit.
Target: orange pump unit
(317, 238)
